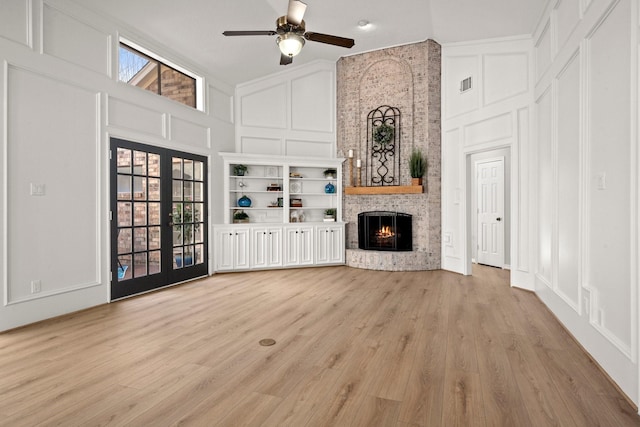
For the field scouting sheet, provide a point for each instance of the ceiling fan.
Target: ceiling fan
(291, 33)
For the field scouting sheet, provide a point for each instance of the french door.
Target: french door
(158, 217)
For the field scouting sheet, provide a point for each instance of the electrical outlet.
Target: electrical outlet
(36, 286)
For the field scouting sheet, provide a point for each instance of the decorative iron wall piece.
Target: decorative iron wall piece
(383, 146)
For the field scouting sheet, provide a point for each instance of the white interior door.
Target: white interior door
(490, 190)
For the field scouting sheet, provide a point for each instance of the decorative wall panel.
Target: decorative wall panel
(311, 109)
(61, 248)
(609, 169)
(15, 21)
(189, 133)
(220, 105)
(568, 186)
(505, 75)
(490, 129)
(125, 115)
(261, 145)
(266, 107)
(543, 51)
(309, 148)
(545, 187)
(72, 40)
(461, 67)
(567, 17)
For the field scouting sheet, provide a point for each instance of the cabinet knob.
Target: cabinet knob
(264, 232)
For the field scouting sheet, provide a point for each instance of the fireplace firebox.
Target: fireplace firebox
(384, 231)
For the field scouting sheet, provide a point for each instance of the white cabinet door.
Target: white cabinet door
(274, 246)
(242, 239)
(232, 248)
(267, 247)
(224, 243)
(299, 246)
(330, 244)
(306, 246)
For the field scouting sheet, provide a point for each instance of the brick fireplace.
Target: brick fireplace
(408, 78)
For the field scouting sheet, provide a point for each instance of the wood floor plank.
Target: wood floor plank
(353, 347)
(462, 400)
(423, 401)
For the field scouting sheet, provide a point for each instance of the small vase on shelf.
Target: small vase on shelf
(244, 202)
(329, 188)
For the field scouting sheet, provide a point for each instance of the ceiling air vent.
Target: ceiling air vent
(465, 84)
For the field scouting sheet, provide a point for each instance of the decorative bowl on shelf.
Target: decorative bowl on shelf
(295, 187)
(244, 202)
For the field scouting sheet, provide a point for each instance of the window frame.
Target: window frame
(199, 80)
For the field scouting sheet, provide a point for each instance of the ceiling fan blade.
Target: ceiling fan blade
(329, 39)
(250, 33)
(295, 13)
(285, 59)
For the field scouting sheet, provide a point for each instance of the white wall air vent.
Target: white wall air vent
(465, 84)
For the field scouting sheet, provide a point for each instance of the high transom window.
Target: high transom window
(149, 72)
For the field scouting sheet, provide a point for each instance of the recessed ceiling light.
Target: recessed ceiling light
(363, 23)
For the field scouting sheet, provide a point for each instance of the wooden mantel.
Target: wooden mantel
(385, 189)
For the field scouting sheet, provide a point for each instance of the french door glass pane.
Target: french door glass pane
(187, 186)
(138, 222)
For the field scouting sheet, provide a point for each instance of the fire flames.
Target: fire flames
(385, 232)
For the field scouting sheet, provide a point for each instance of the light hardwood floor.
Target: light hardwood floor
(354, 348)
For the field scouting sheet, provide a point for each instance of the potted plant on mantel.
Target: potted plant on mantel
(417, 166)
(186, 222)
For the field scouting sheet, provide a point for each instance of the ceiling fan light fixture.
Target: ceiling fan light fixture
(290, 44)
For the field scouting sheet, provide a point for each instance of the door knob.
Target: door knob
(498, 219)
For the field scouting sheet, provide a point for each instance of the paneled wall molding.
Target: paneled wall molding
(494, 114)
(586, 96)
(48, 294)
(125, 115)
(59, 28)
(18, 26)
(293, 105)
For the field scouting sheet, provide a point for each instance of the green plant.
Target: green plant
(240, 215)
(417, 165)
(240, 170)
(330, 212)
(383, 133)
(185, 220)
(331, 172)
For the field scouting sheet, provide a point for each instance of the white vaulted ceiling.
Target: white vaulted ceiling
(194, 27)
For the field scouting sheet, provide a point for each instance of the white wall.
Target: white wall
(494, 115)
(61, 102)
(289, 113)
(586, 177)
